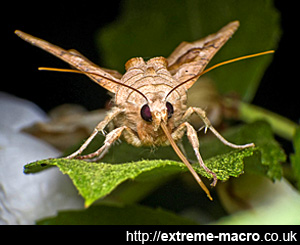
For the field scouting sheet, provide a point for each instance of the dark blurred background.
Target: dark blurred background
(77, 23)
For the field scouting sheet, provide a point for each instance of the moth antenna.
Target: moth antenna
(218, 65)
(91, 73)
(237, 59)
(184, 160)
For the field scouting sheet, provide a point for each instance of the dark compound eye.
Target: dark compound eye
(170, 109)
(146, 113)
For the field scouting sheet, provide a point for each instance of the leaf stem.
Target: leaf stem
(280, 125)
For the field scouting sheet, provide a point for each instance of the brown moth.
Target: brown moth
(150, 99)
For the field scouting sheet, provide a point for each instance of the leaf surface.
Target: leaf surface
(105, 214)
(96, 180)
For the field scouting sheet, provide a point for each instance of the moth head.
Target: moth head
(157, 112)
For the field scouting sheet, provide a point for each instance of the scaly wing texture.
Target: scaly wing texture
(190, 59)
(77, 60)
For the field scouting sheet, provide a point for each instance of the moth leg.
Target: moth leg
(193, 139)
(109, 140)
(201, 113)
(113, 136)
(181, 147)
(99, 128)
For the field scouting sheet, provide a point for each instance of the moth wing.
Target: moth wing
(190, 59)
(114, 73)
(78, 61)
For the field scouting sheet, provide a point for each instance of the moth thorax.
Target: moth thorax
(150, 71)
(134, 62)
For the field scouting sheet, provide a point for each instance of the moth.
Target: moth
(150, 99)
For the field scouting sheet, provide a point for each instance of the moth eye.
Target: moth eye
(170, 109)
(146, 113)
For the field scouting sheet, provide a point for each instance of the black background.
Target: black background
(64, 24)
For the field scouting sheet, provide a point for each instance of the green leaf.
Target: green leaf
(105, 214)
(268, 156)
(156, 28)
(96, 180)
